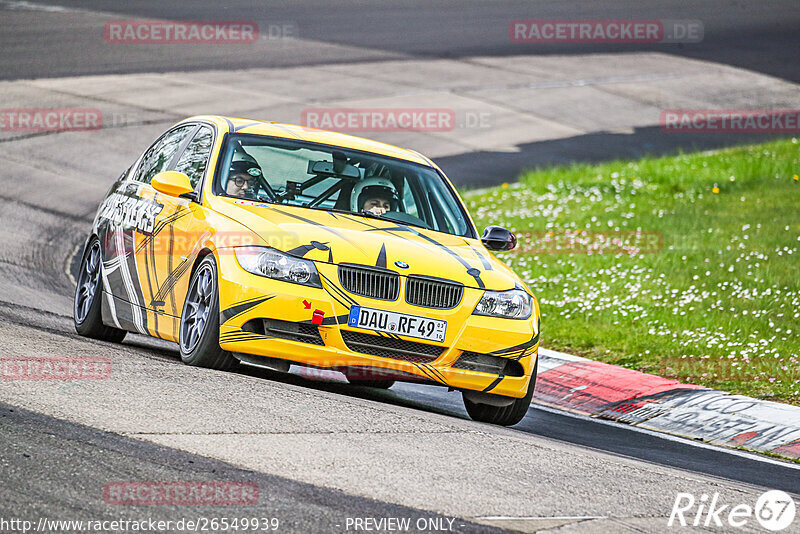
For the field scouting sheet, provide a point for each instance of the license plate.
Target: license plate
(397, 323)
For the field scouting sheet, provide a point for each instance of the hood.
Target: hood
(336, 238)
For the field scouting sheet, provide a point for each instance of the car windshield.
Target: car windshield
(309, 175)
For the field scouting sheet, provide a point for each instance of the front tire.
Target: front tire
(87, 313)
(199, 328)
(503, 415)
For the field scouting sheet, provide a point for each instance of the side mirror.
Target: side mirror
(498, 238)
(172, 183)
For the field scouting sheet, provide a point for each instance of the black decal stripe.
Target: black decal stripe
(339, 291)
(436, 372)
(484, 260)
(241, 307)
(342, 303)
(517, 348)
(360, 220)
(461, 260)
(458, 258)
(319, 225)
(302, 250)
(172, 279)
(138, 290)
(397, 228)
(160, 226)
(478, 280)
(152, 255)
(150, 260)
(179, 214)
(422, 369)
(244, 337)
(381, 262)
(493, 385)
(334, 294)
(170, 260)
(342, 295)
(239, 334)
(523, 354)
(426, 372)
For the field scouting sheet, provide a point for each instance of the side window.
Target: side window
(161, 153)
(409, 202)
(194, 159)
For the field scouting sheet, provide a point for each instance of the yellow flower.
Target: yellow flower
(796, 178)
(715, 190)
(505, 185)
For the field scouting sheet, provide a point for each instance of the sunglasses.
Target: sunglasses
(240, 182)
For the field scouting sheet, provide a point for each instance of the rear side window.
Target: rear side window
(194, 160)
(161, 153)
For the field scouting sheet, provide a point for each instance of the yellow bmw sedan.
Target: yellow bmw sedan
(270, 245)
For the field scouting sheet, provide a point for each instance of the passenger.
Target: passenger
(375, 195)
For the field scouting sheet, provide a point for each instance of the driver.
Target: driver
(374, 194)
(243, 179)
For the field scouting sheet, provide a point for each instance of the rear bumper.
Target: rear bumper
(246, 300)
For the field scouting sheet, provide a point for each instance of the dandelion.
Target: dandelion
(796, 178)
(505, 185)
(715, 190)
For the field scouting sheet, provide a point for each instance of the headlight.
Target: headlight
(512, 304)
(271, 263)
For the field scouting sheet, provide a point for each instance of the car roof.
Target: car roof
(313, 135)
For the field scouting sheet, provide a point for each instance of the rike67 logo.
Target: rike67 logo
(774, 511)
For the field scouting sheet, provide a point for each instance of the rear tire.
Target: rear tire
(87, 313)
(503, 415)
(199, 328)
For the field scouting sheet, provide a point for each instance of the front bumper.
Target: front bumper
(246, 299)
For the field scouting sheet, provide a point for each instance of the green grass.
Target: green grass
(711, 295)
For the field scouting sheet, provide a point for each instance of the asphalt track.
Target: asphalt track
(320, 452)
(752, 35)
(57, 38)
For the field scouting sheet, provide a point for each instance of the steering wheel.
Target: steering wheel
(261, 183)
